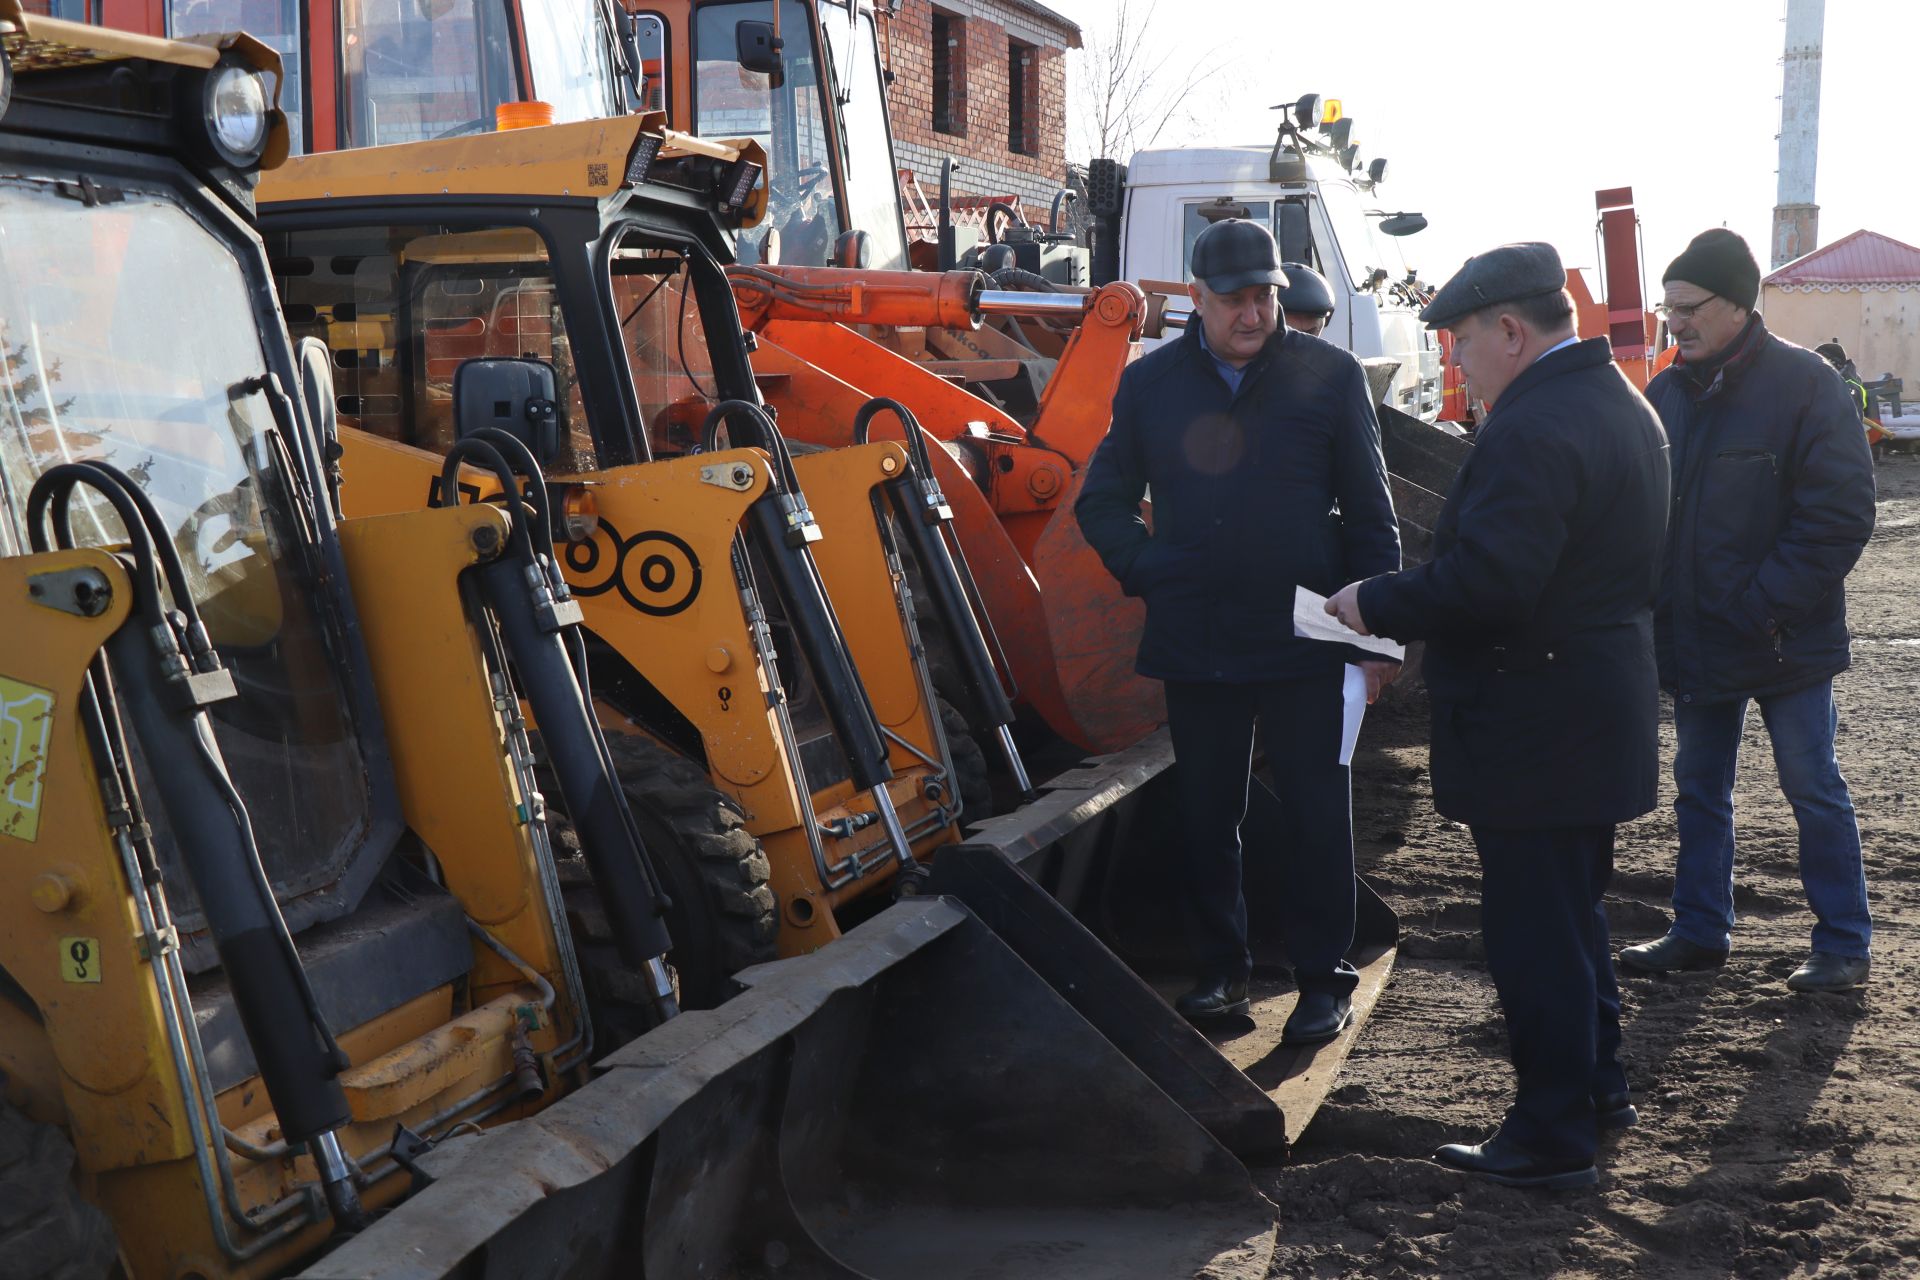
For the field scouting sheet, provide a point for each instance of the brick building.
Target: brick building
(985, 82)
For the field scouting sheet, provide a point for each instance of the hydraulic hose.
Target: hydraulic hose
(783, 528)
(166, 699)
(923, 515)
(537, 620)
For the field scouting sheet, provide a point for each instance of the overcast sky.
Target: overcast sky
(1501, 118)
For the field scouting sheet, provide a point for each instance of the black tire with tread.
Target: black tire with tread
(724, 916)
(46, 1229)
(971, 775)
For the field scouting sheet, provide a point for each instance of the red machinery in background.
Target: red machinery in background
(1620, 313)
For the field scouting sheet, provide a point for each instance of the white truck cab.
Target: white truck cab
(1321, 213)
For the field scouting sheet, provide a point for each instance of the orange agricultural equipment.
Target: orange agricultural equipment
(1067, 633)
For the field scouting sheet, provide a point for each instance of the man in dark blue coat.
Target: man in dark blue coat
(1537, 610)
(1772, 504)
(1262, 451)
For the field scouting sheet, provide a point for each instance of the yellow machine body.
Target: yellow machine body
(654, 564)
(693, 640)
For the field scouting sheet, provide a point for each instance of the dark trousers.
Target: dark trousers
(1547, 949)
(1212, 727)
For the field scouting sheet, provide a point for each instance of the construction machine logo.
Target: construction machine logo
(26, 727)
(654, 571)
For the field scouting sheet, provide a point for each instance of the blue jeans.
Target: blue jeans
(1801, 725)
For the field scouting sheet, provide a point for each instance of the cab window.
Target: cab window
(418, 69)
(1194, 220)
(401, 307)
(788, 121)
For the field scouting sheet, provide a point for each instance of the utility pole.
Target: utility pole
(1796, 218)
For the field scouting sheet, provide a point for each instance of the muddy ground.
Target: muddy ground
(1779, 1133)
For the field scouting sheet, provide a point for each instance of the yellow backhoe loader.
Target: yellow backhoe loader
(752, 644)
(282, 936)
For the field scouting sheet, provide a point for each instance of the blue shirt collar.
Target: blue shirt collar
(1233, 377)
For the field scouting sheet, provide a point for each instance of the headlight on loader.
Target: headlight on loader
(235, 104)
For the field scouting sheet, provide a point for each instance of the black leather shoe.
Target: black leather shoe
(1825, 971)
(1615, 1111)
(1672, 954)
(1318, 1016)
(1510, 1166)
(1213, 999)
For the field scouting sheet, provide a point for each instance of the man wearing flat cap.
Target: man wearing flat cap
(1262, 451)
(1537, 610)
(1773, 502)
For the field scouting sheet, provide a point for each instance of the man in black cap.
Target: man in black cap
(1773, 502)
(1306, 300)
(1537, 609)
(1263, 454)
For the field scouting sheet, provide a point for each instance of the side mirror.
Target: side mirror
(1403, 224)
(641, 35)
(519, 396)
(757, 48)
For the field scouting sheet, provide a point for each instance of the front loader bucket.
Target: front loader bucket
(1082, 883)
(908, 1103)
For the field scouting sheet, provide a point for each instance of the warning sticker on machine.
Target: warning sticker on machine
(26, 727)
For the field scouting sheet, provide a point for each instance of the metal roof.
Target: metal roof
(1037, 10)
(1865, 257)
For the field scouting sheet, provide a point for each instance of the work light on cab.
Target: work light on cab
(235, 106)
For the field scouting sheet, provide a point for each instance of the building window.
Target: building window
(1023, 83)
(949, 74)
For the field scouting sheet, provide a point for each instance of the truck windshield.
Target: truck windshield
(415, 301)
(873, 186)
(127, 336)
(1362, 245)
(789, 122)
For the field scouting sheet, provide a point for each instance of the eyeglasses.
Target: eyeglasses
(1671, 312)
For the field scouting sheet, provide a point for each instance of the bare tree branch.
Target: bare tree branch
(1134, 87)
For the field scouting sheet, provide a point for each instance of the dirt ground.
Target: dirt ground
(1779, 1133)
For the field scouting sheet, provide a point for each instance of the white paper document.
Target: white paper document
(1311, 621)
(1353, 695)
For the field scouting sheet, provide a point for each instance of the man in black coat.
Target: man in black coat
(1773, 503)
(1263, 454)
(1537, 609)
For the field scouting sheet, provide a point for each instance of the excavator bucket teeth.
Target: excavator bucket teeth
(910, 1101)
(1420, 452)
(1079, 883)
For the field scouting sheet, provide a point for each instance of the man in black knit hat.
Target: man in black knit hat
(1772, 504)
